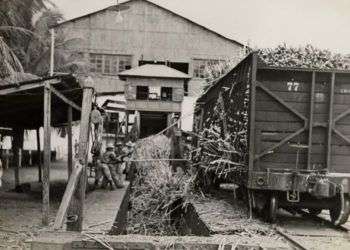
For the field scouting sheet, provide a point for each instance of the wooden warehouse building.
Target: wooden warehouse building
(145, 33)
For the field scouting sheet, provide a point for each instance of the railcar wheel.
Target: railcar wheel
(271, 209)
(314, 211)
(335, 213)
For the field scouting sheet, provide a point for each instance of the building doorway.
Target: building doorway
(152, 123)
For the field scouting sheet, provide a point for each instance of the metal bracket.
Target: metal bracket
(293, 196)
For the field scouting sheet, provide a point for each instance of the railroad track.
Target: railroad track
(301, 241)
(324, 221)
(290, 238)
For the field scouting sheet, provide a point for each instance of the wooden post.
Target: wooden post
(18, 162)
(39, 155)
(69, 137)
(77, 205)
(18, 134)
(47, 155)
(126, 125)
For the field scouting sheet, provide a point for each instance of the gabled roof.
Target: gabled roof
(130, 1)
(154, 70)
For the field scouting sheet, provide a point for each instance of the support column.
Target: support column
(17, 146)
(39, 155)
(69, 137)
(47, 155)
(18, 166)
(126, 126)
(76, 211)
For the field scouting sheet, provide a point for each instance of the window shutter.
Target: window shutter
(130, 92)
(178, 95)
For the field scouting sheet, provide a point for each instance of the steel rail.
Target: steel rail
(290, 239)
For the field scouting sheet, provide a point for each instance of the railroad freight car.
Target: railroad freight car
(294, 125)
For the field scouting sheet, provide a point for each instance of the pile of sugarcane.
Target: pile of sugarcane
(302, 57)
(222, 145)
(157, 190)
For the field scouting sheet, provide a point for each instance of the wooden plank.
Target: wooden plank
(303, 108)
(330, 122)
(317, 148)
(281, 101)
(311, 119)
(70, 140)
(285, 157)
(64, 99)
(340, 160)
(39, 155)
(340, 168)
(278, 165)
(342, 136)
(77, 207)
(102, 218)
(67, 197)
(272, 116)
(301, 97)
(47, 155)
(283, 126)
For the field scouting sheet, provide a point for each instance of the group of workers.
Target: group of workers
(111, 165)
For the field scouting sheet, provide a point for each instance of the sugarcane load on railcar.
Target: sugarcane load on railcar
(282, 133)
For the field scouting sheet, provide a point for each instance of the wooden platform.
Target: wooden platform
(101, 209)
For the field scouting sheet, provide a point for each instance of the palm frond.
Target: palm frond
(9, 63)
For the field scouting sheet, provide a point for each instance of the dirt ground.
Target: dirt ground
(20, 213)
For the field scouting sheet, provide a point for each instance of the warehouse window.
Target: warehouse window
(142, 92)
(201, 68)
(109, 64)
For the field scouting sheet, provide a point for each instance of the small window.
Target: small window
(142, 92)
(167, 94)
(109, 64)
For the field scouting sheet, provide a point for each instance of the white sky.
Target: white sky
(266, 23)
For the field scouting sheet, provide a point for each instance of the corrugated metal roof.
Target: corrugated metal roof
(154, 70)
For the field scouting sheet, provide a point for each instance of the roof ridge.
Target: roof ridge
(157, 5)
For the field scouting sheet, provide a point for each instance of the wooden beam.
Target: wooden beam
(47, 155)
(68, 195)
(64, 99)
(39, 155)
(69, 138)
(27, 87)
(311, 119)
(330, 122)
(77, 207)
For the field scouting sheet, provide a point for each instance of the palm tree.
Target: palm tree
(15, 29)
(25, 46)
(37, 56)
